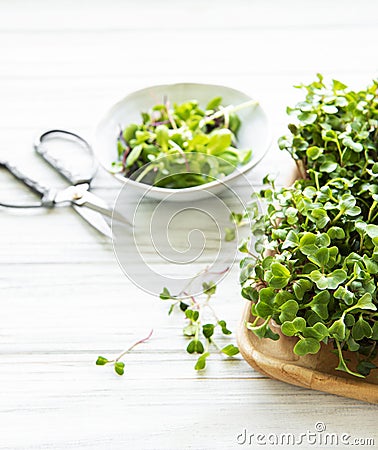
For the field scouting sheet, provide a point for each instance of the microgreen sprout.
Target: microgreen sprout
(119, 366)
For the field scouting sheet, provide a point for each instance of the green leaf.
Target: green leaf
(195, 346)
(101, 361)
(355, 146)
(330, 109)
(320, 257)
(278, 275)
(119, 367)
(307, 118)
(209, 288)
(129, 132)
(318, 331)
(372, 231)
(291, 241)
(165, 294)
(335, 278)
(288, 311)
(365, 302)
(338, 330)
(219, 141)
(344, 368)
(361, 329)
(305, 346)
(319, 304)
(192, 315)
(208, 330)
(365, 367)
(344, 294)
(201, 361)
(319, 279)
(336, 233)
(300, 287)
(224, 328)
(328, 166)
(307, 244)
(374, 334)
(295, 326)
(230, 234)
(314, 152)
(134, 155)
(214, 103)
(230, 350)
(263, 330)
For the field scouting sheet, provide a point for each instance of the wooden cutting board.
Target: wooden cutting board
(276, 359)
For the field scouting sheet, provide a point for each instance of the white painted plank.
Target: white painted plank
(64, 298)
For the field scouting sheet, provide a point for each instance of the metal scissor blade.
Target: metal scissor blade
(95, 219)
(97, 204)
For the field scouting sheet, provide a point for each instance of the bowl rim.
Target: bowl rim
(240, 170)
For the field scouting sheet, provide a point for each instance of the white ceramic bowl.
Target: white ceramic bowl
(254, 132)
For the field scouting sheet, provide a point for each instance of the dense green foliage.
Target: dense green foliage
(171, 147)
(318, 280)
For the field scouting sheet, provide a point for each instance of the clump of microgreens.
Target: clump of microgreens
(119, 366)
(173, 146)
(314, 267)
(200, 331)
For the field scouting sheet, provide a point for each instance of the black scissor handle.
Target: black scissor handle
(46, 194)
(57, 164)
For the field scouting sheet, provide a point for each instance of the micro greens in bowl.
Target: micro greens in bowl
(160, 150)
(314, 267)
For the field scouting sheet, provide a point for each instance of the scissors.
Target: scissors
(90, 207)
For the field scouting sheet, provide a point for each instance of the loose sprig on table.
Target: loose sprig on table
(181, 140)
(314, 268)
(201, 332)
(119, 366)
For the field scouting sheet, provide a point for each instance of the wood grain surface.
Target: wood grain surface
(65, 300)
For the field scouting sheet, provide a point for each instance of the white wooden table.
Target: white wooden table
(64, 299)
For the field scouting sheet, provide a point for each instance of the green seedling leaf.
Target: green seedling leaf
(230, 350)
(292, 328)
(195, 346)
(208, 330)
(101, 361)
(165, 294)
(336, 233)
(361, 329)
(338, 330)
(344, 294)
(288, 311)
(319, 304)
(300, 287)
(224, 328)
(201, 361)
(365, 302)
(318, 331)
(320, 257)
(119, 367)
(306, 346)
(209, 288)
(278, 276)
(291, 241)
(307, 244)
(230, 234)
